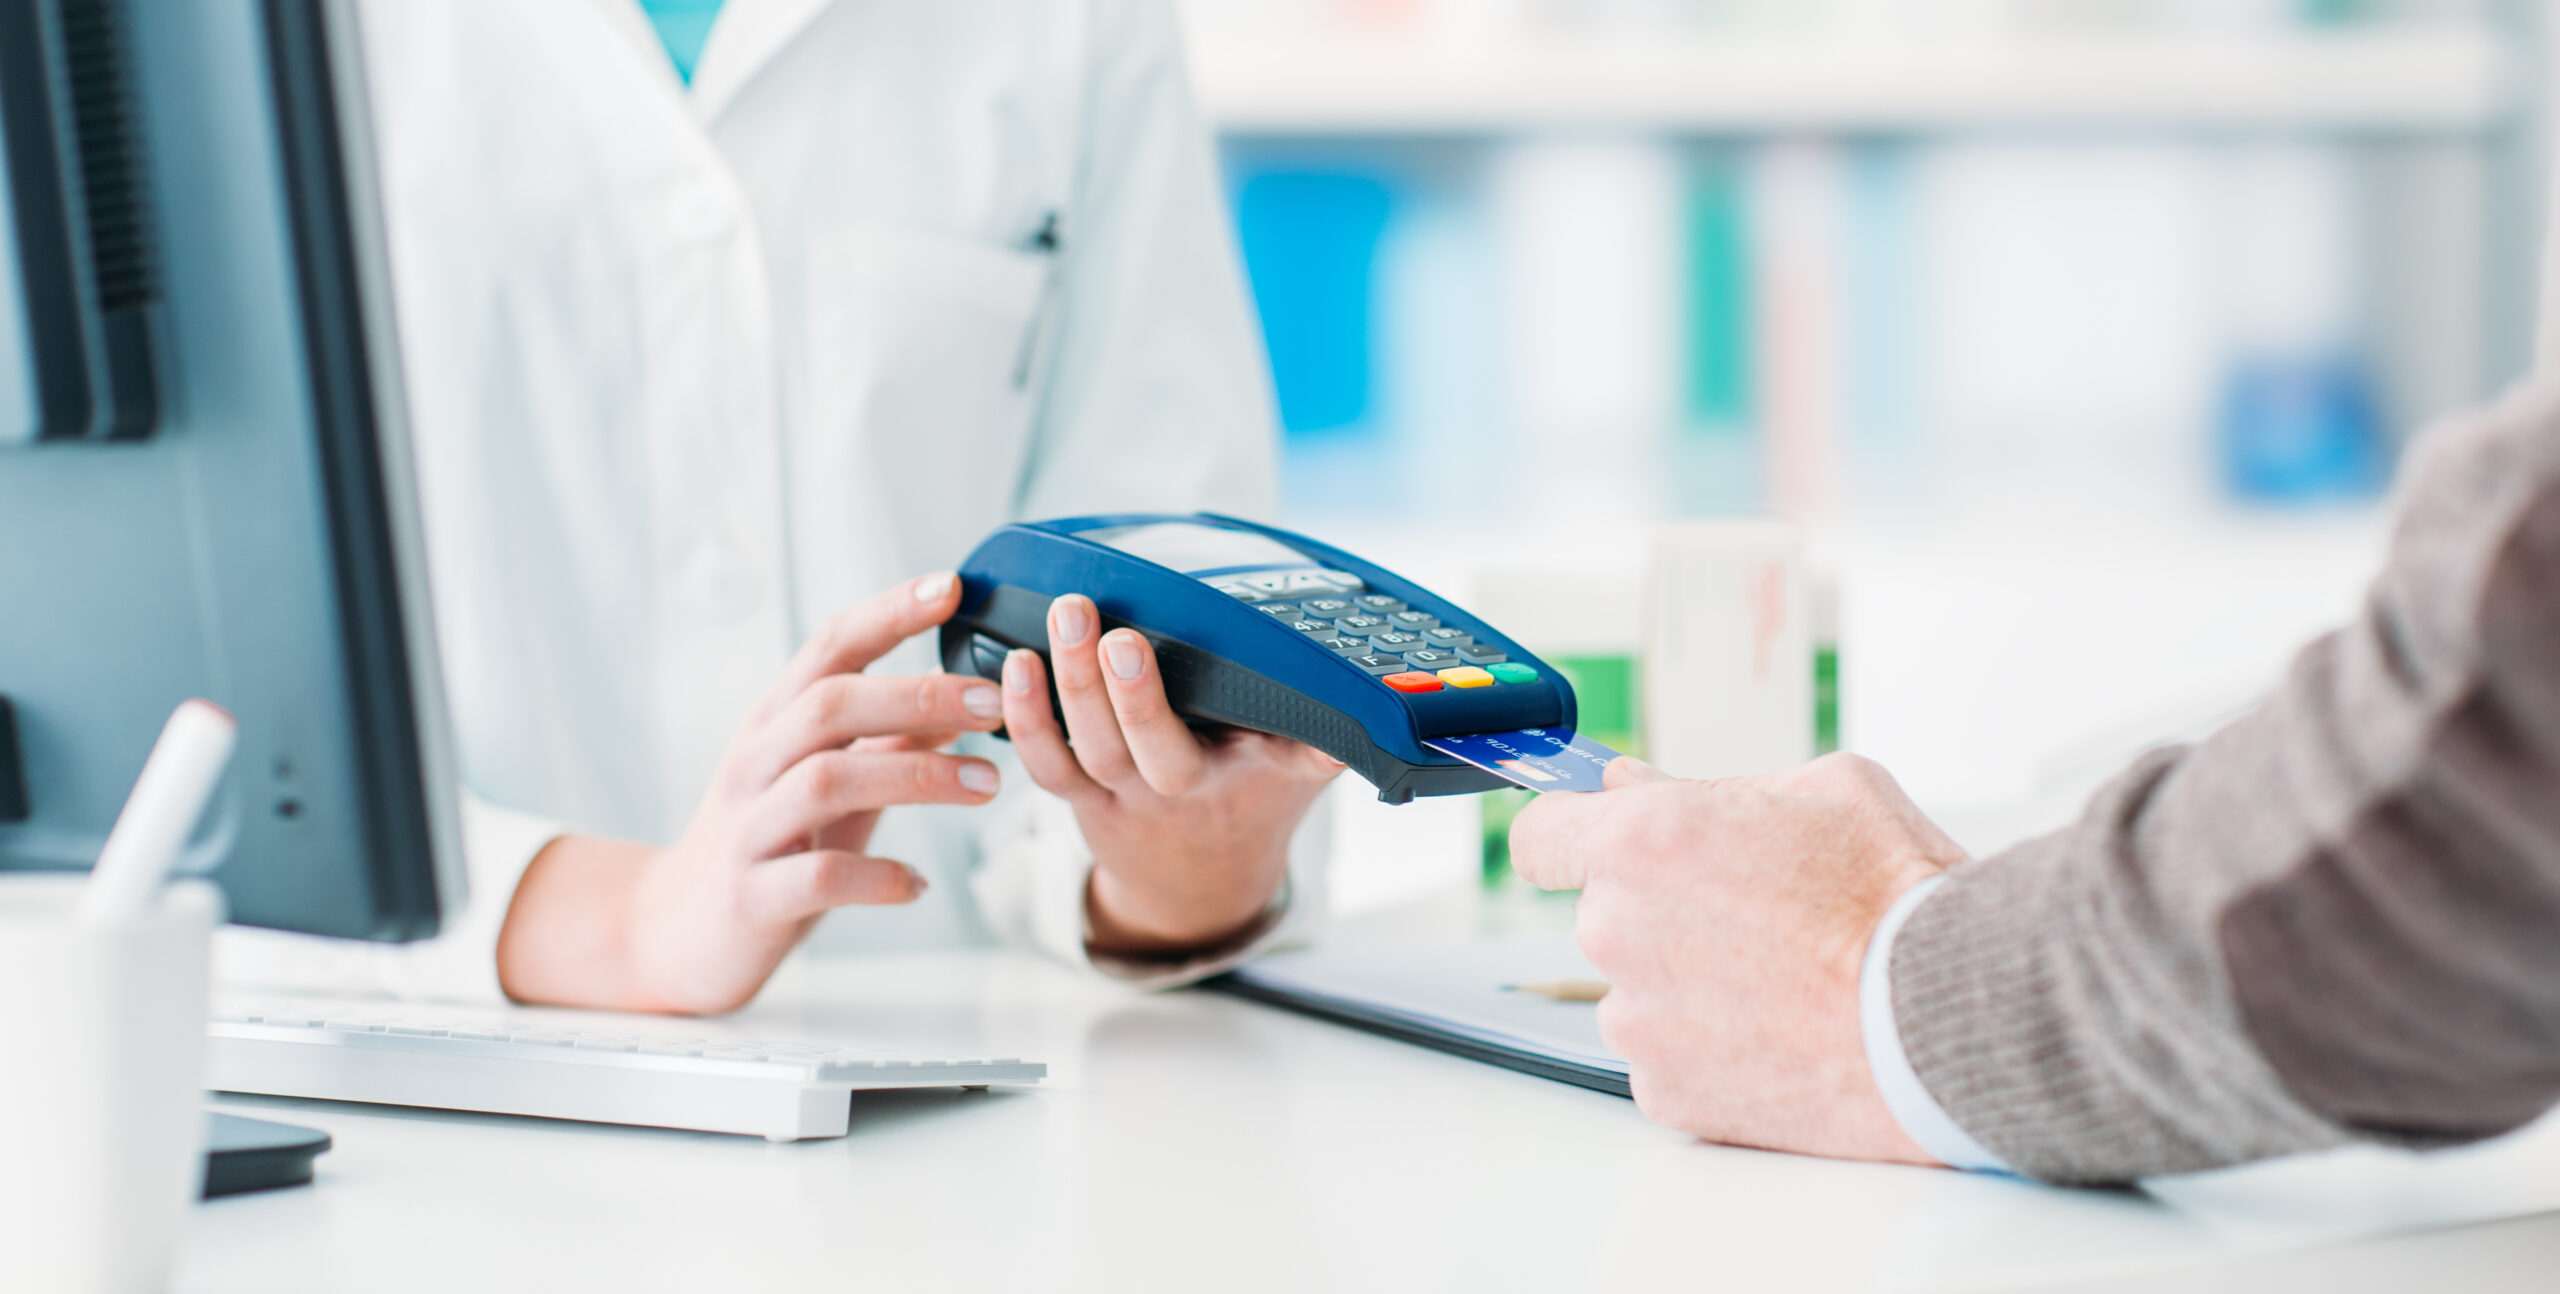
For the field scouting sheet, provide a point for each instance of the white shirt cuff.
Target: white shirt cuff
(1918, 1112)
(1031, 888)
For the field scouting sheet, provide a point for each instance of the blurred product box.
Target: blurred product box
(1728, 654)
(1667, 659)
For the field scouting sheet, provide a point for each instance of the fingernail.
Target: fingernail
(933, 587)
(1066, 616)
(921, 883)
(1121, 648)
(980, 778)
(1017, 672)
(983, 701)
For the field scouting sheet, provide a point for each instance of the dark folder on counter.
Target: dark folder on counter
(1480, 1000)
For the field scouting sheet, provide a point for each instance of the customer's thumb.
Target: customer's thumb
(1627, 770)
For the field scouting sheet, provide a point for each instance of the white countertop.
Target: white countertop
(1195, 1141)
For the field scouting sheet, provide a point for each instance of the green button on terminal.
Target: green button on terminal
(1512, 672)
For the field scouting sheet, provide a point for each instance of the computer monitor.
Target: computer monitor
(204, 474)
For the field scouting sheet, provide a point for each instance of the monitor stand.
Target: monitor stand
(243, 1155)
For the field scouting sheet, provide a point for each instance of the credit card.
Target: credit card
(1541, 759)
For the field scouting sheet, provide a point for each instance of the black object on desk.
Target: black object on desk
(242, 1155)
(1405, 1026)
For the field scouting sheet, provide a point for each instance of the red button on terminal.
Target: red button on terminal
(1413, 681)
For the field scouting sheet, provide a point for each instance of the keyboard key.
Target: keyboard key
(1413, 681)
(1313, 628)
(1280, 611)
(1327, 608)
(1463, 676)
(1271, 585)
(1395, 642)
(1379, 604)
(1414, 622)
(1309, 582)
(1361, 626)
(1479, 654)
(1239, 592)
(1448, 639)
(1431, 659)
(1512, 672)
(1346, 646)
(1380, 664)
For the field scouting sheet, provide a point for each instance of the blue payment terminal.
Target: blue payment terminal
(1259, 628)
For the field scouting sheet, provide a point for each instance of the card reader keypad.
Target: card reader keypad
(1407, 650)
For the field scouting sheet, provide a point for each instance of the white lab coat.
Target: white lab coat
(692, 369)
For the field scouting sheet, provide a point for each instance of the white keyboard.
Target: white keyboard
(495, 1064)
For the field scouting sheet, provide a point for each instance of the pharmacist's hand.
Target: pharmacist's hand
(777, 840)
(1190, 834)
(1731, 919)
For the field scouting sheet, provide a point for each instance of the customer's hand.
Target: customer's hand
(777, 840)
(1731, 919)
(1190, 835)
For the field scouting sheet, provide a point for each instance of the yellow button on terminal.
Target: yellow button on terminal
(1466, 676)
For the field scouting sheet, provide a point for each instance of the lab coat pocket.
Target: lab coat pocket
(916, 410)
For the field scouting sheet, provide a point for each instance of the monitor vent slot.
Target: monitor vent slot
(96, 59)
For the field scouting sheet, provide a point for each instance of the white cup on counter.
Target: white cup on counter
(101, 1100)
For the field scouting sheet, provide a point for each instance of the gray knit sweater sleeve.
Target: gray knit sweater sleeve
(2336, 919)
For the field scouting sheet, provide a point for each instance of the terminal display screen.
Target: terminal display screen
(1194, 549)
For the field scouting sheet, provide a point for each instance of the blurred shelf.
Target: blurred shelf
(1287, 79)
